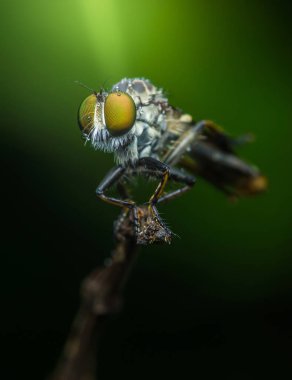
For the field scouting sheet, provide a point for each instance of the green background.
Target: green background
(217, 302)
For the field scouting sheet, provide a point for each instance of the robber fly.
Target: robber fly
(148, 136)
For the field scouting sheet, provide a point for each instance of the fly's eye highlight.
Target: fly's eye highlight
(86, 114)
(119, 113)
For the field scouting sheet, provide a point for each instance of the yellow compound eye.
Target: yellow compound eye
(119, 113)
(86, 113)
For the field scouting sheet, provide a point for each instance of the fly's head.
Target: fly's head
(123, 120)
(107, 120)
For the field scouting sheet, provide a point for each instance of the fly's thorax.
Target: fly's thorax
(152, 107)
(139, 88)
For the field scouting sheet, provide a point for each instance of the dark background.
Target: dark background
(217, 302)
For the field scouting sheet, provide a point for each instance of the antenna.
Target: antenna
(84, 85)
(105, 82)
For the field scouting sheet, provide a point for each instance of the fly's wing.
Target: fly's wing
(207, 151)
(180, 134)
(213, 157)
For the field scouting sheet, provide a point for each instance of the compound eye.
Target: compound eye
(119, 113)
(86, 114)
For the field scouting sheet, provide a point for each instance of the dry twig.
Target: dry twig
(101, 295)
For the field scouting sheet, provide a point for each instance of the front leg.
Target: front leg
(111, 179)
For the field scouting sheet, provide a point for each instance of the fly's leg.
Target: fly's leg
(174, 194)
(111, 179)
(162, 171)
(160, 188)
(157, 169)
(178, 176)
(150, 166)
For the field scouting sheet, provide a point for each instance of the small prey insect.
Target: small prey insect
(148, 136)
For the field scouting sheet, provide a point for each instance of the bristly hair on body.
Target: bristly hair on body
(150, 123)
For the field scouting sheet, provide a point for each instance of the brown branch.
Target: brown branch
(101, 295)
